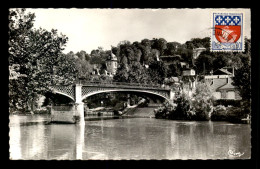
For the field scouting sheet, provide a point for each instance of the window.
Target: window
(223, 95)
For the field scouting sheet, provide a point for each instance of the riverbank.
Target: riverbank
(218, 113)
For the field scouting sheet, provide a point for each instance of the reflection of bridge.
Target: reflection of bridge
(81, 91)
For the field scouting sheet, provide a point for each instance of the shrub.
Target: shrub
(203, 109)
(231, 114)
(183, 108)
(235, 114)
(160, 112)
(227, 102)
(219, 113)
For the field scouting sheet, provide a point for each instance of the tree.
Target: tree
(132, 73)
(198, 42)
(171, 48)
(121, 74)
(137, 74)
(145, 47)
(153, 55)
(182, 109)
(84, 68)
(83, 55)
(190, 45)
(203, 102)
(204, 61)
(242, 78)
(174, 70)
(99, 57)
(38, 53)
(65, 72)
(157, 71)
(146, 43)
(220, 61)
(159, 44)
(247, 46)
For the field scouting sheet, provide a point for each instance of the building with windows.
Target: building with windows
(220, 83)
(111, 64)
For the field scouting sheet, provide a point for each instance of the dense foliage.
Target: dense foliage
(242, 77)
(197, 107)
(36, 56)
(202, 102)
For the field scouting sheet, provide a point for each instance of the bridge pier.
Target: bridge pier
(80, 112)
(128, 100)
(79, 104)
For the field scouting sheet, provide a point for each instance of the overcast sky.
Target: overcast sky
(88, 29)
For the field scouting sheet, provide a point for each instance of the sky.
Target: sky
(88, 29)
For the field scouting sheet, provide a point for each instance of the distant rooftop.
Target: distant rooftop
(227, 86)
(200, 48)
(222, 72)
(112, 57)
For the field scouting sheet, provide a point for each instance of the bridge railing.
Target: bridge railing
(123, 84)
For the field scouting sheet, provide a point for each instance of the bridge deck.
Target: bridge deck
(125, 85)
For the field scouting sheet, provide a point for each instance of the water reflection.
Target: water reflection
(14, 141)
(136, 138)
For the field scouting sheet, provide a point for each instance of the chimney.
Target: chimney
(233, 71)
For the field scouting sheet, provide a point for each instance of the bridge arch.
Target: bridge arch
(122, 90)
(68, 91)
(63, 94)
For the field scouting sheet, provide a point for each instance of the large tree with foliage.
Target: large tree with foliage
(121, 73)
(204, 61)
(159, 44)
(38, 56)
(83, 55)
(242, 78)
(157, 71)
(84, 68)
(174, 70)
(138, 74)
(203, 102)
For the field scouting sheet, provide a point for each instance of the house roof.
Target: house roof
(226, 86)
(214, 84)
(200, 48)
(111, 57)
(221, 72)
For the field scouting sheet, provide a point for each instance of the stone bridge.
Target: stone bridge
(81, 91)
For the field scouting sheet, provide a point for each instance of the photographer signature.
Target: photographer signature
(232, 153)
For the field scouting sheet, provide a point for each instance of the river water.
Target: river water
(129, 138)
